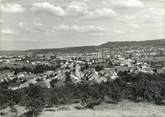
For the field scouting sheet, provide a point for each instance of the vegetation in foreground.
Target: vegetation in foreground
(139, 87)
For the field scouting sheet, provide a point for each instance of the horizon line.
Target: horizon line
(83, 45)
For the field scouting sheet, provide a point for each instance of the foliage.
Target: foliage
(137, 87)
(99, 68)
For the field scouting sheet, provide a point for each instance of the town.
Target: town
(101, 65)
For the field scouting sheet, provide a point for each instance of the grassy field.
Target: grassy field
(123, 109)
(7, 111)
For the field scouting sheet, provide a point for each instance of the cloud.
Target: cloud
(7, 31)
(121, 3)
(125, 3)
(101, 13)
(11, 8)
(47, 7)
(38, 24)
(156, 11)
(82, 8)
(21, 24)
(32, 28)
(85, 0)
(1, 21)
(77, 7)
(145, 15)
(97, 34)
(133, 25)
(81, 29)
(118, 31)
(74, 8)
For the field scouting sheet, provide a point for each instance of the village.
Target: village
(97, 67)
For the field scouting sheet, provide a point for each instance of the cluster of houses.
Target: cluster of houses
(76, 74)
(81, 66)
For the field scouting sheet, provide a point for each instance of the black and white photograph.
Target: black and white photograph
(82, 58)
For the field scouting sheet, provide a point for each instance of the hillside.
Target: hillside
(83, 49)
(134, 43)
(66, 50)
(105, 45)
(11, 52)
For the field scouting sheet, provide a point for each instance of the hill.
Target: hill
(11, 52)
(83, 49)
(134, 43)
(65, 50)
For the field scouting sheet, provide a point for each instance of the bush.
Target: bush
(99, 68)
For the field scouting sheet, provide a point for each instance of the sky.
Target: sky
(34, 24)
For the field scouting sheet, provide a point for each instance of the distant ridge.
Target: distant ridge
(66, 50)
(81, 49)
(11, 52)
(160, 42)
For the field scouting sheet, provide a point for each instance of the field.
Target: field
(123, 109)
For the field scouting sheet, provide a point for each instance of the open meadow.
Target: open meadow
(122, 109)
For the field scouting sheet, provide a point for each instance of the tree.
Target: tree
(35, 99)
(109, 63)
(99, 68)
(67, 77)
